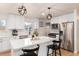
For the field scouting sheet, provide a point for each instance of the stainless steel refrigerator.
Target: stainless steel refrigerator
(68, 36)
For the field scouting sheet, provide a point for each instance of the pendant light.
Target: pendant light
(22, 10)
(49, 16)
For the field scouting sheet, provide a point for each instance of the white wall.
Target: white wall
(78, 35)
(63, 18)
(78, 30)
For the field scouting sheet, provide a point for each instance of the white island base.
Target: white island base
(17, 45)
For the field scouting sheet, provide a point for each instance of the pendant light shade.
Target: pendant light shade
(49, 16)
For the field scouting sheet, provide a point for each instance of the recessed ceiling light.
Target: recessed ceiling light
(43, 14)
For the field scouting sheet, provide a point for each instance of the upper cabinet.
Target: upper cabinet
(15, 22)
(19, 23)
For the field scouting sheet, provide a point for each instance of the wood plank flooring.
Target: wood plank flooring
(64, 53)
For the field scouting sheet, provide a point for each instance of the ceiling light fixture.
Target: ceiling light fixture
(49, 16)
(22, 10)
(43, 14)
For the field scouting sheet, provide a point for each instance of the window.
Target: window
(28, 26)
(2, 24)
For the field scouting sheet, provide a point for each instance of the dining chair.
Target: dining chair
(30, 52)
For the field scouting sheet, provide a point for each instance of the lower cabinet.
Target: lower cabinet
(4, 44)
(0, 45)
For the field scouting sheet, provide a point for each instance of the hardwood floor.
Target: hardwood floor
(6, 53)
(64, 53)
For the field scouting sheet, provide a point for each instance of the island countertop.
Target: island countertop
(20, 43)
(17, 44)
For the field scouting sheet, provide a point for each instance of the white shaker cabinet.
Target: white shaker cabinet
(4, 44)
(0, 44)
(15, 22)
(19, 22)
(10, 23)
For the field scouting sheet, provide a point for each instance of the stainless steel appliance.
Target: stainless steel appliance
(68, 36)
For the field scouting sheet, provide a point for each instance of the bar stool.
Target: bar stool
(55, 46)
(30, 52)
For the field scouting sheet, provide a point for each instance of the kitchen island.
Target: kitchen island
(18, 44)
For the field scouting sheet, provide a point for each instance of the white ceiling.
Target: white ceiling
(36, 9)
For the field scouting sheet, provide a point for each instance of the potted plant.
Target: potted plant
(35, 34)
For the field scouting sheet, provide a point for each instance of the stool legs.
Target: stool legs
(60, 52)
(48, 52)
(55, 52)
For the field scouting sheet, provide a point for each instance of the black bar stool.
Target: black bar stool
(55, 46)
(30, 52)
